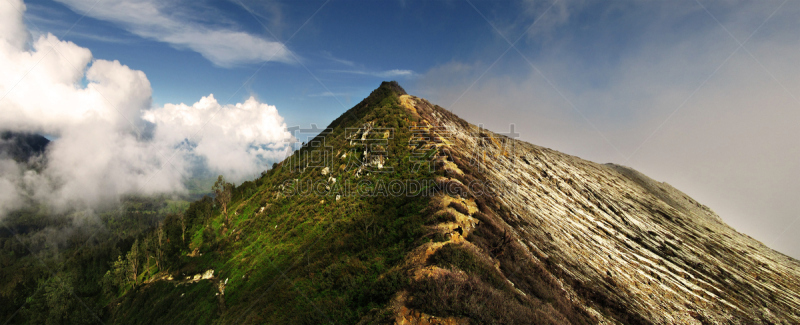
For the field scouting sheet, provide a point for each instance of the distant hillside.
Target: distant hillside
(21, 146)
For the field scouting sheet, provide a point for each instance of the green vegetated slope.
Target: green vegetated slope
(290, 256)
(54, 265)
(377, 233)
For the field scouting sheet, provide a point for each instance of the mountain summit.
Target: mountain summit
(401, 212)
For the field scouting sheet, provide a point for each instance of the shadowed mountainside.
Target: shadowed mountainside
(20, 146)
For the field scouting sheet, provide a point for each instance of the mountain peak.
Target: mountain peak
(386, 95)
(393, 86)
(386, 89)
(402, 212)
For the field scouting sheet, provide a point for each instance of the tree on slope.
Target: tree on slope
(222, 193)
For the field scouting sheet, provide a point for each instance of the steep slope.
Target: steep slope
(401, 212)
(297, 248)
(625, 248)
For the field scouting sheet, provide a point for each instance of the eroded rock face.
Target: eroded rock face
(616, 240)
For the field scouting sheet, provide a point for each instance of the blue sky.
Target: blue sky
(700, 94)
(342, 49)
(348, 47)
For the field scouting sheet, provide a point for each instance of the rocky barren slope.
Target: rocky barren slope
(620, 247)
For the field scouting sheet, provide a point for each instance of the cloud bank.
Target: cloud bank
(109, 140)
(165, 21)
(237, 135)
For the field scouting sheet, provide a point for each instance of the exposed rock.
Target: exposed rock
(615, 240)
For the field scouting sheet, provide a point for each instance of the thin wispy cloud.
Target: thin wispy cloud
(329, 94)
(82, 35)
(45, 20)
(166, 22)
(394, 73)
(329, 56)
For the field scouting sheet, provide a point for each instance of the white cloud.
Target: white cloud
(162, 21)
(329, 56)
(328, 94)
(9, 197)
(394, 73)
(233, 139)
(99, 152)
(12, 30)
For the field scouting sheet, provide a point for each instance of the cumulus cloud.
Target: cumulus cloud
(11, 27)
(666, 79)
(150, 19)
(234, 139)
(109, 140)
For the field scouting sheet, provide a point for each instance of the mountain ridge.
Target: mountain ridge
(484, 228)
